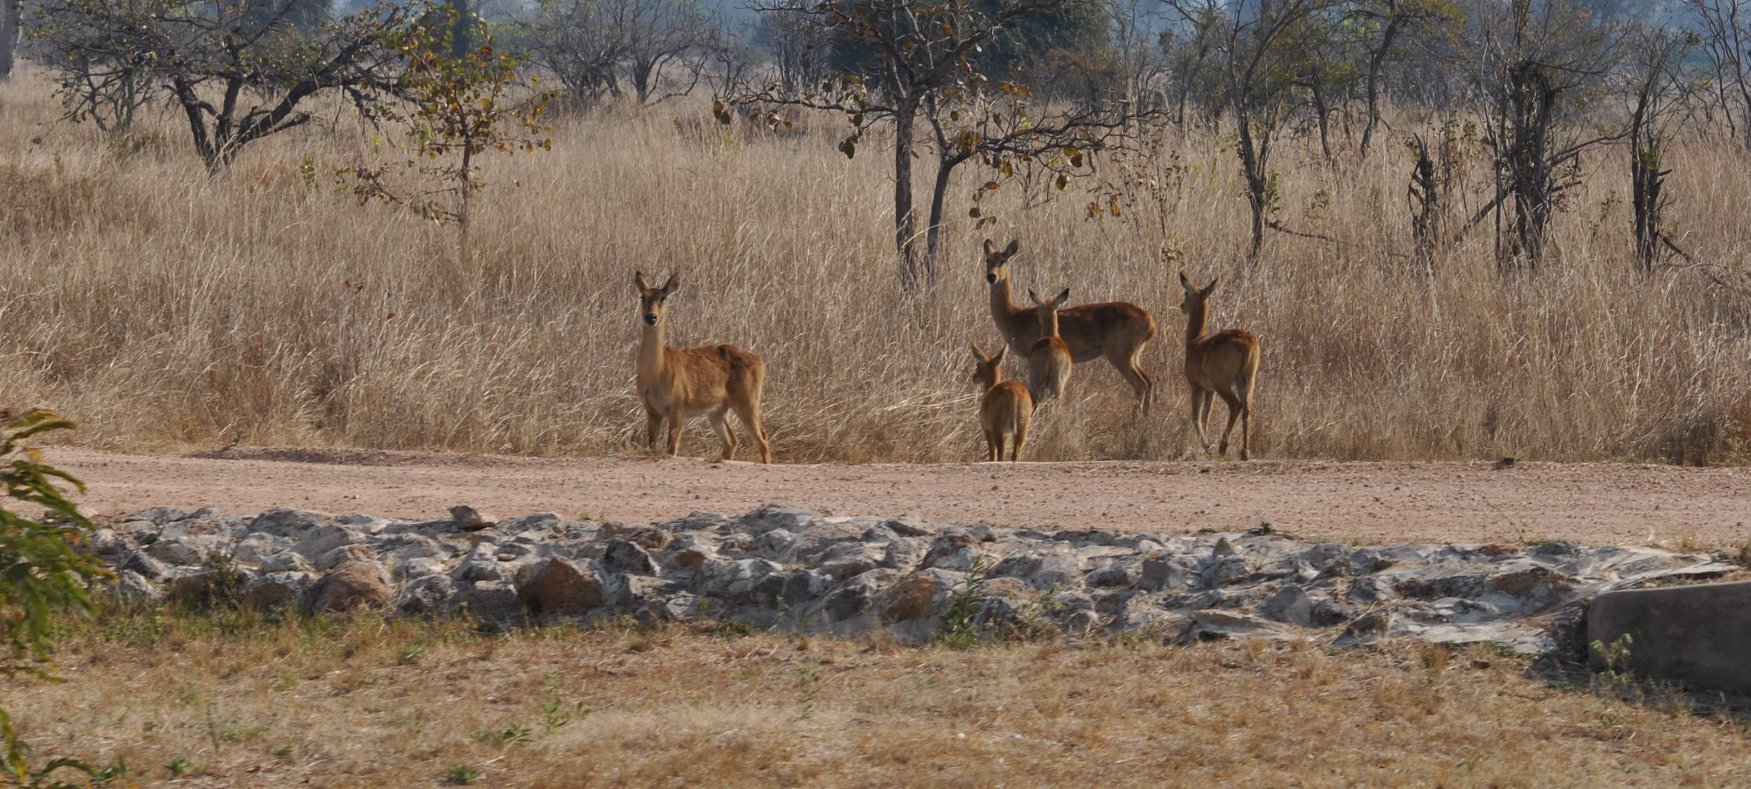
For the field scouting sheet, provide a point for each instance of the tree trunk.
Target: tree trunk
(1323, 114)
(643, 82)
(1374, 62)
(462, 30)
(1252, 165)
(933, 234)
(905, 219)
(10, 16)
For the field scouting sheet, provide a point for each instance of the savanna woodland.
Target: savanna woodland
(1460, 228)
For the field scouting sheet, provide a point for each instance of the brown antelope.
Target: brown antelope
(676, 383)
(1115, 330)
(1005, 410)
(1049, 361)
(1225, 363)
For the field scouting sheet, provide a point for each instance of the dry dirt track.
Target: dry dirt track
(1436, 502)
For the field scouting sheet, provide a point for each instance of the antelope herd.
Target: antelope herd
(711, 380)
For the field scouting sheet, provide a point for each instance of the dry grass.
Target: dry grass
(167, 310)
(336, 702)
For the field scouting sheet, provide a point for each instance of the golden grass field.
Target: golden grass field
(232, 701)
(167, 310)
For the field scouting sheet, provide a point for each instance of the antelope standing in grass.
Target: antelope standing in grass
(1115, 330)
(676, 383)
(1005, 410)
(1224, 364)
(1049, 361)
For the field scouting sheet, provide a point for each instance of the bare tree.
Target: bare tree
(906, 64)
(796, 43)
(662, 34)
(1532, 66)
(1723, 28)
(1398, 22)
(582, 43)
(1189, 47)
(1137, 51)
(1659, 87)
(238, 72)
(595, 47)
(1263, 56)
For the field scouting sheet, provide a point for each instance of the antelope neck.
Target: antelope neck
(1196, 317)
(650, 349)
(1002, 305)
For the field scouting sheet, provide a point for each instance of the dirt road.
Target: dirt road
(1461, 502)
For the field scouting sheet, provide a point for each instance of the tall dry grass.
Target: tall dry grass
(165, 309)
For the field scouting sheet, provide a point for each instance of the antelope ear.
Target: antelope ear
(1035, 297)
(1185, 283)
(1062, 298)
(990, 248)
(1212, 286)
(638, 279)
(1014, 244)
(998, 357)
(673, 283)
(977, 353)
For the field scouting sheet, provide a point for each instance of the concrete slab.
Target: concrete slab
(1697, 635)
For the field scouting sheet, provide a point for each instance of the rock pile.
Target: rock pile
(795, 570)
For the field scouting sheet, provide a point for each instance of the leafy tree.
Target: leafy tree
(239, 72)
(44, 572)
(904, 64)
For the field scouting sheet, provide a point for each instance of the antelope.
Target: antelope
(1005, 410)
(1049, 361)
(677, 383)
(1225, 363)
(1115, 330)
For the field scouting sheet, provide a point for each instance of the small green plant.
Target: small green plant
(730, 628)
(1616, 676)
(110, 772)
(960, 628)
(553, 714)
(513, 734)
(808, 680)
(461, 775)
(411, 653)
(284, 752)
(177, 766)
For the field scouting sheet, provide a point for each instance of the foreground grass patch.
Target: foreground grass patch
(229, 699)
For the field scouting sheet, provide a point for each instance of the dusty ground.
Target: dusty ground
(1371, 502)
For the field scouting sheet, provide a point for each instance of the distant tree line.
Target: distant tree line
(1019, 88)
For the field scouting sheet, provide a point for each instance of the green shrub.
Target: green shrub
(43, 571)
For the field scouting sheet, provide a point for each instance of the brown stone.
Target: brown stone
(561, 587)
(909, 599)
(354, 584)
